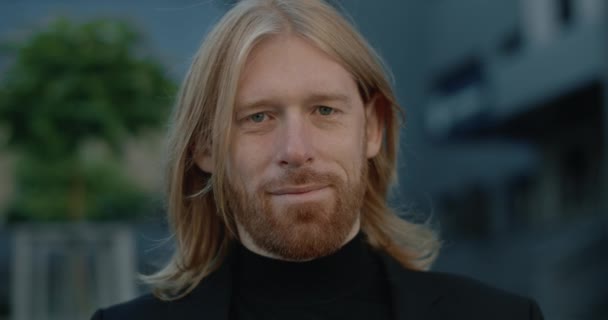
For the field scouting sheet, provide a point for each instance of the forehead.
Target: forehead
(290, 67)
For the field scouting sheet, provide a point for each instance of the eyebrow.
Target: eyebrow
(311, 99)
(322, 97)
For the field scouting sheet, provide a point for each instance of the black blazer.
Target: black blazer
(415, 295)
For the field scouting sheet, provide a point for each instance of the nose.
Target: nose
(295, 145)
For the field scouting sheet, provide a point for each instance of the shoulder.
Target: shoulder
(210, 297)
(143, 307)
(445, 295)
(465, 289)
(461, 295)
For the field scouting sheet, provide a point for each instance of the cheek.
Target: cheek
(347, 150)
(248, 161)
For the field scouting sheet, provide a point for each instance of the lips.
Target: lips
(296, 189)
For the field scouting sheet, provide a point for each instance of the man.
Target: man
(281, 152)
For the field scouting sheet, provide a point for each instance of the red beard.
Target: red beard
(300, 231)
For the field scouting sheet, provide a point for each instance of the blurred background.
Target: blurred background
(504, 144)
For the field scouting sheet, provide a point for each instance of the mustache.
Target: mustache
(301, 177)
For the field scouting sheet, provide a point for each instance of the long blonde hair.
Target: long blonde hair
(201, 123)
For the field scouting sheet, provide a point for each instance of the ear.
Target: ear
(203, 160)
(374, 124)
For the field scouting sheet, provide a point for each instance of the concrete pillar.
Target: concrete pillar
(549, 186)
(540, 22)
(124, 249)
(20, 277)
(500, 210)
(604, 37)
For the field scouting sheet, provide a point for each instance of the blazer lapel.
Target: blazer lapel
(412, 298)
(210, 300)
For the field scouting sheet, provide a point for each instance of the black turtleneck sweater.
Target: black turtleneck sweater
(349, 284)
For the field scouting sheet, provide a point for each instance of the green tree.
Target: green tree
(71, 84)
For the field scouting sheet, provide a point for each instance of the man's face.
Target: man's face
(298, 151)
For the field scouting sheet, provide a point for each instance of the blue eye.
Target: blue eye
(325, 110)
(257, 117)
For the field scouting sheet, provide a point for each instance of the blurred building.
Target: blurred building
(532, 74)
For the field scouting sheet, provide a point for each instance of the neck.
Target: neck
(248, 242)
